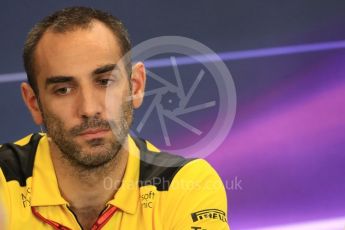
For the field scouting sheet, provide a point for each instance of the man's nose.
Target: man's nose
(89, 103)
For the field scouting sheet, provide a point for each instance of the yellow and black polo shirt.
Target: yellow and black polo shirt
(159, 191)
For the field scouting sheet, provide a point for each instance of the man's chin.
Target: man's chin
(94, 158)
(90, 153)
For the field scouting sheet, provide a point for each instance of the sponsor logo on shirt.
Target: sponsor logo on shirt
(147, 199)
(198, 228)
(26, 197)
(209, 214)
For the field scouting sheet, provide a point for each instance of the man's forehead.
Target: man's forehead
(77, 47)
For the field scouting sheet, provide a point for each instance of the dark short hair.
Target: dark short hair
(70, 19)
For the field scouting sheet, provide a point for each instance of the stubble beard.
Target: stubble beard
(102, 151)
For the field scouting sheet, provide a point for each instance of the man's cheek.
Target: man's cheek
(113, 114)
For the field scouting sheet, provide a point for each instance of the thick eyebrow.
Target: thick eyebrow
(62, 79)
(104, 69)
(58, 79)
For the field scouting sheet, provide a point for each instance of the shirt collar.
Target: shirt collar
(127, 196)
(45, 190)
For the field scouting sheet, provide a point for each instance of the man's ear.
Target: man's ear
(138, 81)
(31, 102)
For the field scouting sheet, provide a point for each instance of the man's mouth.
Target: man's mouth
(93, 133)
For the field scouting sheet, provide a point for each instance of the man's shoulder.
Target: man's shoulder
(191, 186)
(17, 159)
(161, 168)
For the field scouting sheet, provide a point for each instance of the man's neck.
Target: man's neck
(85, 190)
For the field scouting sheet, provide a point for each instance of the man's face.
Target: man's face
(75, 72)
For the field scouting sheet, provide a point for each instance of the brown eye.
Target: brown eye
(105, 82)
(63, 91)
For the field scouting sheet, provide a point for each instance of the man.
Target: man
(87, 172)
